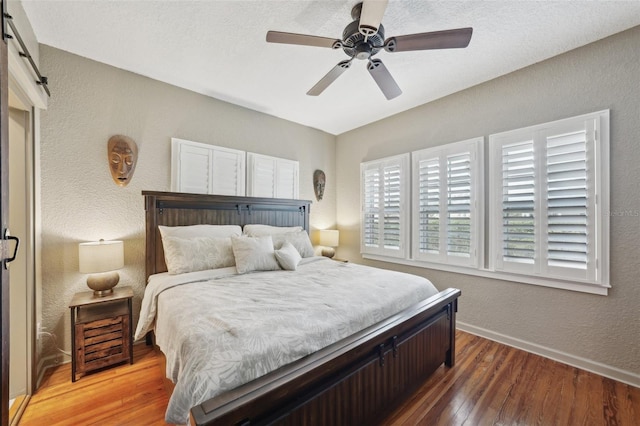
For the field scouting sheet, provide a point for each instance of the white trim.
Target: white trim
(585, 287)
(599, 368)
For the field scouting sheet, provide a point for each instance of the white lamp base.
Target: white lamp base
(328, 252)
(102, 284)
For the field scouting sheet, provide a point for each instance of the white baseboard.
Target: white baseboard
(49, 362)
(563, 357)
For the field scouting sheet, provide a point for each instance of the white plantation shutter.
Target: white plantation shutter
(428, 187)
(287, 179)
(227, 172)
(517, 234)
(567, 212)
(371, 208)
(194, 171)
(459, 205)
(206, 169)
(550, 221)
(261, 176)
(446, 186)
(385, 222)
(392, 208)
(271, 177)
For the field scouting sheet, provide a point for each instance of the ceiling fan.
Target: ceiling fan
(364, 37)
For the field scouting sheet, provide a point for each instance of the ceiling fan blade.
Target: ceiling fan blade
(383, 79)
(371, 16)
(330, 77)
(448, 39)
(302, 39)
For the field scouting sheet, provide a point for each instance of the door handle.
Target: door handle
(15, 250)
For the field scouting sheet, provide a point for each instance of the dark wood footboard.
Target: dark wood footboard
(350, 382)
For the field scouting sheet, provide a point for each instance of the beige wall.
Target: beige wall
(90, 102)
(603, 75)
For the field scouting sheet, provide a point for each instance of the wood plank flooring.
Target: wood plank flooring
(491, 384)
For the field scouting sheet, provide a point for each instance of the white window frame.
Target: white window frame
(403, 162)
(596, 273)
(441, 154)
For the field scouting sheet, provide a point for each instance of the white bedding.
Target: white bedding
(219, 330)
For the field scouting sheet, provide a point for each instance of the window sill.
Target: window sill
(582, 287)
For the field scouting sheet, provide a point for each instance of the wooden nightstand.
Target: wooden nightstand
(101, 330)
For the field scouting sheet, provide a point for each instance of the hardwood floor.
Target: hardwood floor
(491, 384)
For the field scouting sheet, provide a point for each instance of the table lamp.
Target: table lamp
(101, 259)
(329, 238)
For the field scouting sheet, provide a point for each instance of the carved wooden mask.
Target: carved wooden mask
(123, 154)
(319, 180)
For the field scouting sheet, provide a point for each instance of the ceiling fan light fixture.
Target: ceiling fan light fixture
(363, 51)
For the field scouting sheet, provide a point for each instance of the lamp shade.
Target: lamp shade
(329, 238)
(101, 256)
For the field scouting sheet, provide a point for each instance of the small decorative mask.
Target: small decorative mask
(319, 180)
(123, 154)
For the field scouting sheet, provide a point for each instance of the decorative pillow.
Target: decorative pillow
(288, 257)
(254, 254)
(192, 231)
(299, 239)
(254, 230)
(196, 254)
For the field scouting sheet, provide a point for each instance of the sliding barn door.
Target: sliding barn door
(5, 251)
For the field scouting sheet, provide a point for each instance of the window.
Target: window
(385, 220)
(547, 192)
(547, 209)
(446, 210)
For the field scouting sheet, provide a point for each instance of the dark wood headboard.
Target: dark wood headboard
(175, 209)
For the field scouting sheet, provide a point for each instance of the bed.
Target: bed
(351, 377)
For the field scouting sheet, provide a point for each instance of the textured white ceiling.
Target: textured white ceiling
(218, 48)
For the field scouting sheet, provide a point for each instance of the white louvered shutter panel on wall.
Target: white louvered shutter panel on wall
(446, 196)
(272, 177)
(206, 169)
(194, 170)
(261, 171)
(385, 221)
(287, 181)
(227, 170)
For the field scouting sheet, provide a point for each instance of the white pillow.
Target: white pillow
(254, 230)
(254, 254)
(299, 239)
(288, 257)
(196, 254)
(212, 231)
